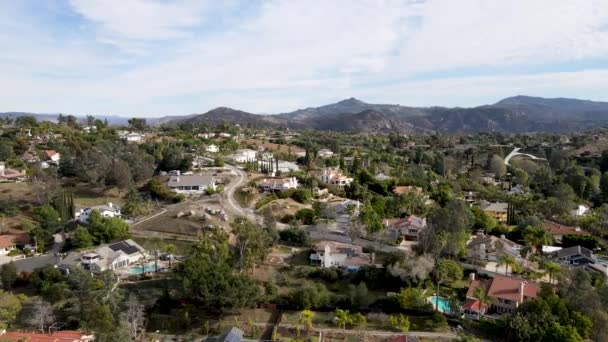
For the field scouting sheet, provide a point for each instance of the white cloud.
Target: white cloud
(188, 56)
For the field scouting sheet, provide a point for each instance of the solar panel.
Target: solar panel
(123, 246)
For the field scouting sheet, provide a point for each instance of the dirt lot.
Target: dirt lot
(274, 147)
(281, 207)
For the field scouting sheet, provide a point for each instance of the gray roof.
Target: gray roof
(495, 207)
(570, 251)
(30, 264)
(190, 180)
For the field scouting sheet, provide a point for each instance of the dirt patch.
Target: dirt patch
(275, 147)
(281, 207)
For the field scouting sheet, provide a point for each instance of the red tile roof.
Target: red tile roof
(50, 153)
(555, 228)
(473, 304)
(58, 336)
(8, 240)
(505, 288)
(401, 190)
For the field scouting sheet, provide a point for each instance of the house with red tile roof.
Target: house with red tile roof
(57, 336)
(558, 230)
(52, 155)
(505, 294)
(402, 190)
(408, 228)
(10, 175)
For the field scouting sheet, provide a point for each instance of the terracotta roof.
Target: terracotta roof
(401, 190)
(505, 288)
(473, 304)
(58, 336)
(50, 153)
(10, 173)
(8, 240)
(555, 228)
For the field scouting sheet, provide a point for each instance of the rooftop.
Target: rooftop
(504, 288)
(190, 180)
(555, 228)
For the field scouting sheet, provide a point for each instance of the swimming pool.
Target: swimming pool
(139, 270)
(442, 303)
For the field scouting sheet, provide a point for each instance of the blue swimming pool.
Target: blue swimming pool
(139, 270)
(443, 304)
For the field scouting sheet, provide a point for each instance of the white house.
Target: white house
(213, 148)
(205, 135)
(7, 244)
(580, 210)
(131, 136)
(112, 256)
(324, 153)
(279, 184)
(106, 210)
(10, 175)
(53, 156)
(89, 129)
(245, 155)
(191, 184)
(224, 135)
(334, 176)
(336, 254)
(286, 167)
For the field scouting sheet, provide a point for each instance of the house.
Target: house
(574, 256)
(8, 243)
(518, 190)
(328, 254)
(205, 135)
(287, 167)
(105, 210)
(345, 207)
(212, 148)
(29, 158)
(89, 129)
(505, 294)
(224, 135)
(408, 228)
(580, 210)
(231, 335)
(191, 184)
(382, 177)
(403, 190)
(53, 156)
(334, 176)
(56, 336)
(558, 230)
(278, 184)
(131, 136)
(471, 197)
(499, 211)
(10, 175)
(490, 248)
(113, 256)
(325, 153)
(244, 155)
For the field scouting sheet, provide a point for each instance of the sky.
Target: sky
(148, 58)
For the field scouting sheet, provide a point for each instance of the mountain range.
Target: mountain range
(518, 114)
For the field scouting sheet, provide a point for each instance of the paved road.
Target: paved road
(231, 204)
(317, 235)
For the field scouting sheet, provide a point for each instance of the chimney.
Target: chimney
(110, 205)
(521, 291)
(472, 276)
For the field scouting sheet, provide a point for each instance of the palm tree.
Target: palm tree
(483, 298)
(507, 261)
(537, 236)
(552, 268)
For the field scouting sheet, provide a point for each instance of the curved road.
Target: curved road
(228, 195)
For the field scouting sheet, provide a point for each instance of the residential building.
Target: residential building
(10, 175)
(334, 176)
(130, 136)
(115, 256)
(490, 248)
(191, 184)
(231, 335)
(287, 167)
(8, 243)
(574, 256)
(278, 184)
(105, 210)
(558, 230)
(505, 294)
(324, 153)
(52, 156)
(382, 177)
(244, 155)
(206, 135)
(348, 207)
(408, 228)
(330, 254)
(89, 129)
(56, 336)
(499, 211)
(212, 148)
(224, 135)
(580, 210)
(29, 157)
(403, 190)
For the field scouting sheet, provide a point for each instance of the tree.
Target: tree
(507, 261)
(8, 275)
(306, 216)
(10, 306)
(551, 268)
(138, 124)
(537, 236)
(171, 250)
(400, 322)
(448, 271)
(411, 298)
(252, 242)
(294, 236)
(497, 166)
(40, 315)
(82, 238)
(306, 317)
(343, 318)
(134, 316)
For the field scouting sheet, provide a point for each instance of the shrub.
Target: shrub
(306, 216)
(294, 236)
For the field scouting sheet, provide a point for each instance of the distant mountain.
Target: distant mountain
(518, 114)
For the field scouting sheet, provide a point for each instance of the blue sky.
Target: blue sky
(151, 58)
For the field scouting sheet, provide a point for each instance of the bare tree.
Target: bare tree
(41, 314)
(134, 316)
